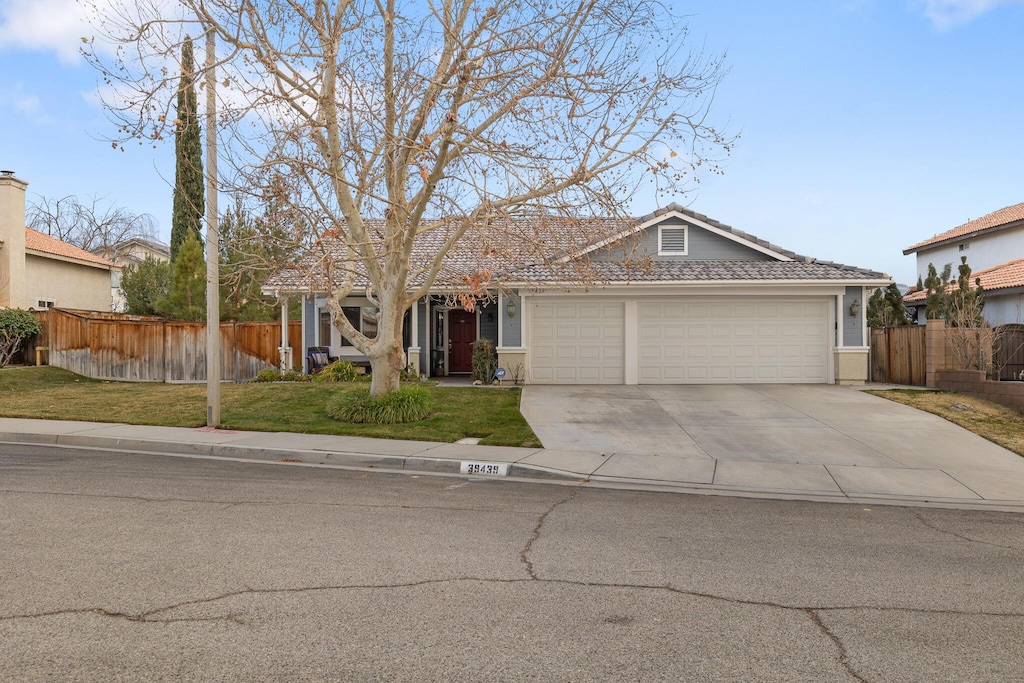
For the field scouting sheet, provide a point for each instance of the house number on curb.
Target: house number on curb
(498, 469)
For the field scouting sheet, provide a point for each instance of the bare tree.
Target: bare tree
(91, 224)
(392, 123)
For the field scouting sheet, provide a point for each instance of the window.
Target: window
(362, 318)
(965, 246)
(43, 304)
(325, 328)
(672, 240)
(369, 322)
(352, 314)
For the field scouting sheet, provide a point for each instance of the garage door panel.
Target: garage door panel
(734, 341)
(577, 342)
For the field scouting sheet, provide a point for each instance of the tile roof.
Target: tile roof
(721, 226)
(532, 246)
(37, 241)
(1004, 276)
(694, 271)
(993, 221)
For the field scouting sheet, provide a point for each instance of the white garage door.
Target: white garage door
(747, 340)
(577, 343)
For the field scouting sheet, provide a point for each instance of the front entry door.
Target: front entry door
(461, 335)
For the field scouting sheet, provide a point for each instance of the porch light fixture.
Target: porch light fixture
(854, 308)
(511, 308)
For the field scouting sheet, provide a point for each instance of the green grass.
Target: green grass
(51, 393)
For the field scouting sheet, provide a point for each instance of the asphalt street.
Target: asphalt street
(142, 567)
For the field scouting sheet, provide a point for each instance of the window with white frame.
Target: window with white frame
(363, 318)
(672, 240)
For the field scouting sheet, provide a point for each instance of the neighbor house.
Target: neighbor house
(130, 252)
(38, 271)
(994, 248)
(670, 298)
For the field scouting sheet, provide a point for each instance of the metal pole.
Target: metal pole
(212, 243)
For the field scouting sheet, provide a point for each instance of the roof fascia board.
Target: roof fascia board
(959, 238)
(68, 259)
(878, 282)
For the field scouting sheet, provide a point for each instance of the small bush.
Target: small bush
(16, 326)
(485, 360)
(271, 375)
(338, 371)
(409, 404)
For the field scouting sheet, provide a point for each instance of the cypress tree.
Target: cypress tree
(189, 202)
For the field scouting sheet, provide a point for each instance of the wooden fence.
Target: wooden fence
(147, 349)
(899, 355)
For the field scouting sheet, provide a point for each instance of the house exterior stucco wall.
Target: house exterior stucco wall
(68, 285)
(984, 251)
(514, 363)
(851, 367)
(13, 291)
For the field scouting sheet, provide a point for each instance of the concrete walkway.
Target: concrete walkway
(820, 443)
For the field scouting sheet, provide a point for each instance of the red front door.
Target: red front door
(461, 335)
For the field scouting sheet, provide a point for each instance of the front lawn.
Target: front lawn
(459, 412)
(989, 420)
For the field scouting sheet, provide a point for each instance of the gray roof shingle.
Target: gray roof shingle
(526, 249)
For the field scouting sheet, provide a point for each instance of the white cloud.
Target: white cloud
(27, 104)
(56, 25)
(947, 14)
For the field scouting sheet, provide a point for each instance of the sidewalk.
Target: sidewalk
(919, 487)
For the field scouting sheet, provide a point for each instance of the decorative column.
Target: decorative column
(285, 349)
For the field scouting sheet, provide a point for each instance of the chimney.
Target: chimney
(13, 291)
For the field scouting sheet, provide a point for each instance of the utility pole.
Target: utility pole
(212, 242)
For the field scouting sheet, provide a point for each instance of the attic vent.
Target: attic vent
(672, 241)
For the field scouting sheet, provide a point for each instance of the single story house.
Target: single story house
(994, 247)
(673, 297)
(39, 271)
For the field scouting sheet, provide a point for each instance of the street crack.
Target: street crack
(933, 527)
(525, 552)
(842, 659)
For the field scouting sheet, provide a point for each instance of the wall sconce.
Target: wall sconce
(511, 308)
(854, 308)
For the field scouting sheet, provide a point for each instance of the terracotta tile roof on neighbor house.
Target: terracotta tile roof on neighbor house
(996, 220)
(37, 241)
(1005, 276)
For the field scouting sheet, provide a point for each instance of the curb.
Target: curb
(409, 463)
(420, 464)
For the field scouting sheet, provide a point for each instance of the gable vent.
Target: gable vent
(673, 241)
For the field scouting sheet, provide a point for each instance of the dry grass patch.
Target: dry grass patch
(989, 420)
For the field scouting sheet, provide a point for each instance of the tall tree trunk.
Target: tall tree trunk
(386, 363)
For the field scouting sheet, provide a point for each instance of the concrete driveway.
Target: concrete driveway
(802, 440)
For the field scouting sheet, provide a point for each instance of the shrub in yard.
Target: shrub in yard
(338, 371)
(485, 360)
(410, 403)
(271, 375)
(16, 327)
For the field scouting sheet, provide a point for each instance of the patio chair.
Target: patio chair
(318, 358)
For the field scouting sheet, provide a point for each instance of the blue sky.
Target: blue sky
(865, 125)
